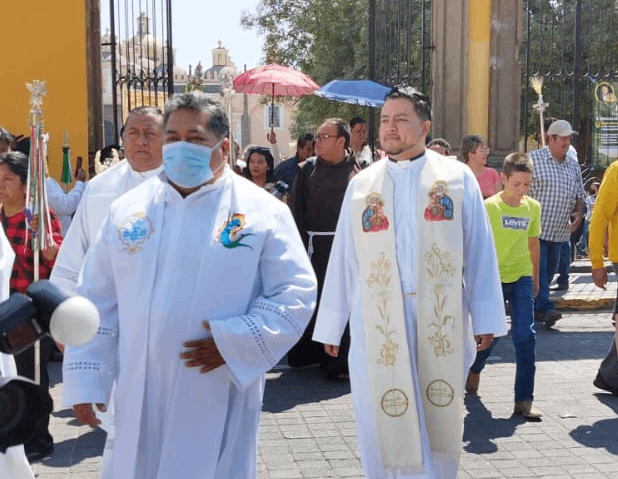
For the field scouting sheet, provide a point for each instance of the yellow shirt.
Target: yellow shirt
(605, 213)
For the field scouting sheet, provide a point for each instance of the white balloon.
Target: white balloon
(75, 321)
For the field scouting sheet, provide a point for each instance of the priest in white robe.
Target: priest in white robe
(203, 284)
(422, 217)
(142, 140)
(13, 463)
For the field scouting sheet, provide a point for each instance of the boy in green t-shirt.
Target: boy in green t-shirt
(516, 224)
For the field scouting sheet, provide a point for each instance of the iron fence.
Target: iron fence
(400, 42)
(572, 46)
(141, 55)
(399, 46)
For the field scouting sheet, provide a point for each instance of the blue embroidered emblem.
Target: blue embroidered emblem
(228, 234)
(135, 231)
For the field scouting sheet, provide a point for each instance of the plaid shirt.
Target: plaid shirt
(556, 185)
(23, 267)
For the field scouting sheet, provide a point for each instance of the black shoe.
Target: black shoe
(539, 316)
(35, 455)
(560, 287)
(551, 317)
(599, 383)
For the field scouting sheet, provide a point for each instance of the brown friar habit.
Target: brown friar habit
(315, 200)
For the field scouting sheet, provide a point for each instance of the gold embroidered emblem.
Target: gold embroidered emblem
(440, 393)
(379, 280)
(440, 271)
(394, 402)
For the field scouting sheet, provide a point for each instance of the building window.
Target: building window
(275, 120)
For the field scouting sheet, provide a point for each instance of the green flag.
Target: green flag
(67, 175)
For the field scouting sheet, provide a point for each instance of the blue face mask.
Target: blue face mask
(188, 164)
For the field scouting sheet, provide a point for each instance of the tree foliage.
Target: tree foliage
(325, 39)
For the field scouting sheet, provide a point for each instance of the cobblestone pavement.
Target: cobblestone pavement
(308, 426)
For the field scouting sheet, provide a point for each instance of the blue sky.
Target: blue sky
(198, 24)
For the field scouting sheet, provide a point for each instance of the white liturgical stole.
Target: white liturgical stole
(440, 343)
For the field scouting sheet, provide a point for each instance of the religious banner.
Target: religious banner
(605, 125)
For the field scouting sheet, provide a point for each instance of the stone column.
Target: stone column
(505, 78)
(450, 70)
(452, 86)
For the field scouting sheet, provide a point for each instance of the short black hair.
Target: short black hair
(356, 120)
(141, 110)
(304, 139)
(270, 161)
(23, 146)
(517, 162)
(198, 101)
(106, 152)
(5, 135)
(420, 102)
(17, 162)
(469, 145)
(342, 129)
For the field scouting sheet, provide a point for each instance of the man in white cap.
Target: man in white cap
(557, 185)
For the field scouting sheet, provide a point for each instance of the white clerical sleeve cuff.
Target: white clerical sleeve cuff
(243, 349)
(329, 327)
(83, 395)
(488, 317)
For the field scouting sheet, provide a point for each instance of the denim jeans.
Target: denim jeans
(547, 267)
(520, 296)
(564, 263)
(582, 244)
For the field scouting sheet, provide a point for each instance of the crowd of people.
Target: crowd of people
(207, 274)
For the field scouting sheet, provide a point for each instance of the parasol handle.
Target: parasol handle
(272, 116)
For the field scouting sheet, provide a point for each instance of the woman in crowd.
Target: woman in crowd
(474, 152)
(260, 167)
(13, 185)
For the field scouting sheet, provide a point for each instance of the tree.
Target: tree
(325, 39)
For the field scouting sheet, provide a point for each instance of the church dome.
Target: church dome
(151, 48)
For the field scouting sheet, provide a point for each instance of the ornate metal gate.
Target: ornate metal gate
(571, 44)
(399, 45)
(140, 55)
(400, 42)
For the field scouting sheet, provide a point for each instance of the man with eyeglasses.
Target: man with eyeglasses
(315, 201)
(203, 284)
